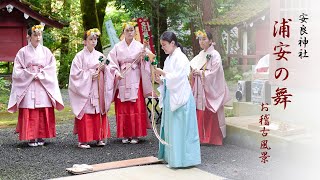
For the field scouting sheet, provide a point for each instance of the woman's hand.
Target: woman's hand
(36, 77)
(196, 72)
(160, 71)
(142, 54)
(119, 75)
(95, 75)
(101, 67)
(98, 69)
(158, 79)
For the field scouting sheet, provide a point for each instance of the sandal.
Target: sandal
(83, 146)
(101, 143)
(134, 141)
(40, 142)
(125, 141)
(32, 143)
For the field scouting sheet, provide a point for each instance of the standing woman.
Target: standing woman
(86, 91)
(35, 91)
(210, 91)
(132, 84)
(179, 121)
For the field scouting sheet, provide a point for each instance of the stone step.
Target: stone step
(246, 108)
(244, 131)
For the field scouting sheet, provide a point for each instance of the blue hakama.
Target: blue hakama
(179, 129)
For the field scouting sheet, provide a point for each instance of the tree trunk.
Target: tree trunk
(209, 13)
(159, 23)
(90, 18)
(64, 63)
(101, 10)
(195, 43)
(162, 27)
(194, 24)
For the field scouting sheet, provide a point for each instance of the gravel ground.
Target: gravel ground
(18, 161)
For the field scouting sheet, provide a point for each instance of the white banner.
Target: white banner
(112, 33)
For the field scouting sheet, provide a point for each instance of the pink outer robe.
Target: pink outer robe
(29, 93)
(121, 56)
(87, 97)
(83, 90)
(211, 93)
(131, 91)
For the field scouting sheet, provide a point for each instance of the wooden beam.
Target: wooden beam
(33, 14)
(116, 165)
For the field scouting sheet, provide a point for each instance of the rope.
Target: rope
(154, 127)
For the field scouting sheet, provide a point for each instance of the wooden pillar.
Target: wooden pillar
(245, 46)
(228, 49)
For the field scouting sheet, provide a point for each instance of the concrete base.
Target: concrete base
(242, 132)
(246, 109)
(154, 172)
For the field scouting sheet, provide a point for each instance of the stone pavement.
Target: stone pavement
(154, 172)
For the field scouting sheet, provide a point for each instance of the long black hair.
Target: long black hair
(209, 35)
(29, 31)
(169, 37)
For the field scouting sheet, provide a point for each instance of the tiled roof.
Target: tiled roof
(244, 11)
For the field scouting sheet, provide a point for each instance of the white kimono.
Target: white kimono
(177, 67)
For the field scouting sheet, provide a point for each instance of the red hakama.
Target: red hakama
(91, 128)
(36, 123)
(208, 125)
(131, 116)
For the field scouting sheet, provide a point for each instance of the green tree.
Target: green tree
(66, 42)
(93, 16)
(163, 15)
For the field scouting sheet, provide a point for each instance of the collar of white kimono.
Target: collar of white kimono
(177, 50)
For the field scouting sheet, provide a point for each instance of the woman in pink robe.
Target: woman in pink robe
(132, 85)
(86, 92)
(210, 91)
(35, 91)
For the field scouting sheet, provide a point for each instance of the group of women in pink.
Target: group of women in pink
(126, 81)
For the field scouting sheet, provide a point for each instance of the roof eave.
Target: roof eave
(35, 15)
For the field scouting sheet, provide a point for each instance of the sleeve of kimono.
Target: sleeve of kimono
(21, 75)
(114, 66)
(175, 79)
(161, 90)
(178, 84)
(192, 66)
(21, 80)
(80, 78)
(80, 82)
(109, 88)
(146, 76)
(214, 84)
(48, 78)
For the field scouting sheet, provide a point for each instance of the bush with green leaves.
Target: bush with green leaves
(4, 95)
(232, 73)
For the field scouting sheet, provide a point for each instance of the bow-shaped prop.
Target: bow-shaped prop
(154, 62)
